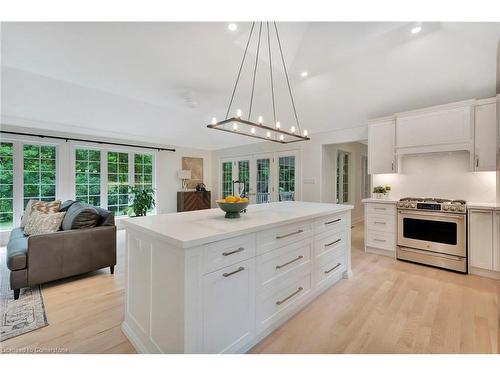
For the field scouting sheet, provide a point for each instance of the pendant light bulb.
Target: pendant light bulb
(260, 120)
(214, 121)
(268, 134)
(305, 133)
(278, 125)
(292, 129)
(238, 113)
(252, 130)
(282, 137)
(235, 126)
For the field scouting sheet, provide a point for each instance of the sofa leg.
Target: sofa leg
(112, 269)
(16, 293)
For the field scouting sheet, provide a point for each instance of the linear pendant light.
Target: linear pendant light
(256, 129)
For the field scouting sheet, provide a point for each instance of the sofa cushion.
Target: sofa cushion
(17, 249)
(80, 216)
(65, 205)
(105, 217)
(41, 223)
(16, 233)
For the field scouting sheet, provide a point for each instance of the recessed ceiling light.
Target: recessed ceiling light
(416, 29)
(232, 26)
(304, 74)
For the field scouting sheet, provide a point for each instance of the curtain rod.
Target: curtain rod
(88, 140)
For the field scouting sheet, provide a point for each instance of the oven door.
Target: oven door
(432, 231)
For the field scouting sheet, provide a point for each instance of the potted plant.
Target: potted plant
(379, 192)
(142, 200)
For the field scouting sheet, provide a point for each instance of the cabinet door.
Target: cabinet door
(496, 241)
(229, 308)
(381, 147)
(481, 239)
(485, 137)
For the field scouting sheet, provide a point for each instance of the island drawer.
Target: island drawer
(328, 242)
(220, 254)
(331, 269)
(382, 223)
(276, 265)
(277, 237)
(330, 223)
(280, 301)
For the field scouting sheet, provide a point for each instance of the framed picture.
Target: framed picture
(195, 165)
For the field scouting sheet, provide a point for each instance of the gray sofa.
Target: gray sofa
(38, 259)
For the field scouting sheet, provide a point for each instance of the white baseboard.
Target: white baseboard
(484, 273)
(374, 250)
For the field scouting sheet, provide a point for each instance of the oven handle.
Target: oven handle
(432, 214)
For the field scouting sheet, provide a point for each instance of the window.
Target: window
(6, 185)
(365, 178)
(244, 174)
(286, 178)
(118, 182)
(88, 176)
(143, 170)
(227, 179)
(343, 162)
(39, 173)
(263, 178)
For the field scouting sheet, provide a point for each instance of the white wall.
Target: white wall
(442, 175)
(329, 175)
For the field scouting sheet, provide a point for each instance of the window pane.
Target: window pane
(227, 179)
(87, 184)
(263, 180)
(286, 181)
(39, 175)
(117, 180)
(6, 185)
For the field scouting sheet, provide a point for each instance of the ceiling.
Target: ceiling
(163, 82)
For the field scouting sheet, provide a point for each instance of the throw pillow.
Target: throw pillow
(26, 214)
(41, 223)
(80, 216)
(46, 207)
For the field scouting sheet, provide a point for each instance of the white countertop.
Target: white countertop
(194, 228)
(483, 205)
(389, 200)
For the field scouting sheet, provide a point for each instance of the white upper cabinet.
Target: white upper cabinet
(485, 136)
(441, 128)
(381, 158)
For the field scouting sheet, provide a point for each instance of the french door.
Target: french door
(266, 177)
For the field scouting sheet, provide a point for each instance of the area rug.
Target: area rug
(21, 316)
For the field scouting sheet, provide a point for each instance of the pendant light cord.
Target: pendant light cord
(287, 80)
(271, 72)
(255, 72)
(239, 71)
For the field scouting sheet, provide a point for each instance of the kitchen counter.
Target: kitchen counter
(483, 206)
(376, 200)
(193, 228)
(200, 283)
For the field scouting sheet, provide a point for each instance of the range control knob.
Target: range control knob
(413, 205)
(461, 208)
(446, 208)
(453, 208)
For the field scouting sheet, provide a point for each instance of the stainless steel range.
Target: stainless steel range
(433, 231)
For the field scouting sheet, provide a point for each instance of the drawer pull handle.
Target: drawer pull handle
(379, 208)
(290, 296)
(289, 234)
(333, 243)
(380, 222)
(333, 221)
(232, 273)
(290, 262)
(240, 249)
(379, 240)
(334, 268)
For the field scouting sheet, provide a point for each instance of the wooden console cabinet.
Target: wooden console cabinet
(193, 200)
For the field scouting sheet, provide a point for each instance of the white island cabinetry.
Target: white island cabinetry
(199, 283)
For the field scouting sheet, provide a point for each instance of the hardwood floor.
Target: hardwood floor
(387, 307)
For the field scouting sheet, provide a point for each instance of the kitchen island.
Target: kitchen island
(200, 283)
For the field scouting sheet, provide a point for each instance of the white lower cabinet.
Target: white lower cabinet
(228, 308)
(484, 242)
(380, 228)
